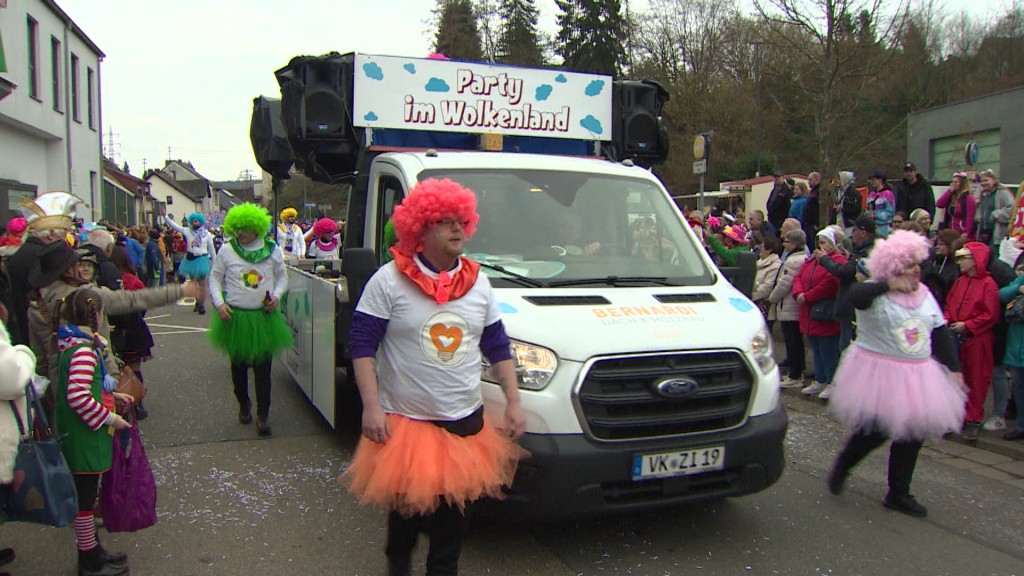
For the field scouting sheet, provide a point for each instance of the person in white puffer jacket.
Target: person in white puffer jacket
(785, 309)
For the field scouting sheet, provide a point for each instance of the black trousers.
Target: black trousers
(446, 529)
(88, 488)
(795, 349)
(240, 378)
(902, 458)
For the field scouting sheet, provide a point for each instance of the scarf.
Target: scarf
(254, 256)
(330, 246)
(445, 287)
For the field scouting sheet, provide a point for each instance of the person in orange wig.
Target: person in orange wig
(428, 451)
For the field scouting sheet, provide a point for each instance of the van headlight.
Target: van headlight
(535, 365)
(761, 346)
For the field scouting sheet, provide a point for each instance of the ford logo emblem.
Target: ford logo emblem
(677, 387)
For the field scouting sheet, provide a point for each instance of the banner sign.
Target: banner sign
(451, 96)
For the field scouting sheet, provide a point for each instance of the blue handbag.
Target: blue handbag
(43, 490)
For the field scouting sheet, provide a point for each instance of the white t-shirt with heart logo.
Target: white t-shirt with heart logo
(429, 361)
(891, 329)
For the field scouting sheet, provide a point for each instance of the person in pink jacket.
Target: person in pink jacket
(958, 205)
(814, 284)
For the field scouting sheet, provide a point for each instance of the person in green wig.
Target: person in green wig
(246, 284)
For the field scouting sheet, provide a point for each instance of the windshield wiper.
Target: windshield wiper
(513, 276)
(614, 281)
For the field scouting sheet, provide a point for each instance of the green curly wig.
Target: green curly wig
(247, 216)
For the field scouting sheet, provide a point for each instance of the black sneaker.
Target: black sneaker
(1015, 435)
(140, 412)
(971, 431)
(836, 480)
(906, 504)
(245, 413)
(201, 310)
(262, 427)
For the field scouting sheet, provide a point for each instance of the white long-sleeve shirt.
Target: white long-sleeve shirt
(291, 240)
(198, 243)
(244, 284)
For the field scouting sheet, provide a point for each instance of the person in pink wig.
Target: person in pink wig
(900, 379)
(326, 243)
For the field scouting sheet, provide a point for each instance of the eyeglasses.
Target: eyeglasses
(451, 223)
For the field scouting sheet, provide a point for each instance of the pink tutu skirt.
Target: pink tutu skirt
(422, 464)
(904, 399)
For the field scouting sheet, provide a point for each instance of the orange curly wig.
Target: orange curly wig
(429, 201)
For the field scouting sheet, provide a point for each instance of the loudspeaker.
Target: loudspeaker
(637, 132)
(316, 108)
(269, 138)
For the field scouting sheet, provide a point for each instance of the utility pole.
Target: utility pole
(757, 101)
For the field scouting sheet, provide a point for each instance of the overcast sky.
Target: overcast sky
(179, 77)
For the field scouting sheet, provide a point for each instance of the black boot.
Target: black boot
(202, 309)
(109, 557)
(91, 563)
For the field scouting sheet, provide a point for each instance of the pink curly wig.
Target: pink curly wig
(429, 201)
(324, 227)
(894, 254)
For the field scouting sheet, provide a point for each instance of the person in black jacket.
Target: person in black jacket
(863, 242)
(809, 219)
(101, 244)
(914, 192)
(848, 201)
(779, 200)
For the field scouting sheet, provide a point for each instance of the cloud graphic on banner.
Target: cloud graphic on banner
(543, 91)
(592, 124)
(410, 68)
(370, 117)
(561, 79)
(594, 88)
(373, 71)
(437, 85)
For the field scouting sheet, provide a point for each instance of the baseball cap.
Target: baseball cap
(909, 166)
(877, 174)
(865, 223)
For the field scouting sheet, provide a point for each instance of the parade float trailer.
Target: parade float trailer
(646, 376)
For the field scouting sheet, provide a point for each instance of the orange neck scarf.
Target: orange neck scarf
(444, 288)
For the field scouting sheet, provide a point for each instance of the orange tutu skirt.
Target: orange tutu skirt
(422, 465)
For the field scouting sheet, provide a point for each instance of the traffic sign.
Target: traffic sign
(700, 166)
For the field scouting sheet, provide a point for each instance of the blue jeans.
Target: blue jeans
(1017, 377)
(826, 357)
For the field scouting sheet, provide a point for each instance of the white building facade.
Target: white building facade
(50, 123)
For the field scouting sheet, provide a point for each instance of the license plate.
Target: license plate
(678, 463)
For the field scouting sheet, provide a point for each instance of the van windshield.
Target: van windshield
(574, 228)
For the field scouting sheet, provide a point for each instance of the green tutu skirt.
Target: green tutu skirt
(251, 336)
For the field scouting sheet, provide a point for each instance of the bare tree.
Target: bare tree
(846, 51)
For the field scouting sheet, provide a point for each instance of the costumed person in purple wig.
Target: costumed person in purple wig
(900, 379)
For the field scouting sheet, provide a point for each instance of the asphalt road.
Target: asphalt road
(232, 503)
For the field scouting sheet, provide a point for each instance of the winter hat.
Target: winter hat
(892, 255)
(828, 234)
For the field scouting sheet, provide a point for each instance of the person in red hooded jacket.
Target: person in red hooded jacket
(972, 310)
(816, 284)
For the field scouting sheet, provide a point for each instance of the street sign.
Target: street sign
(310, 204)
(700, 166)
(971, 153)
(324, 207)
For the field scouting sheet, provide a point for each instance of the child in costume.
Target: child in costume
(289, 236)
(428, 450)
(246, 285)
(199, 252)
(85, 413)
(326, 242)
(900, 378)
